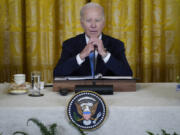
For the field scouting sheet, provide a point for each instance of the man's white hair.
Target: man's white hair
(91, 5)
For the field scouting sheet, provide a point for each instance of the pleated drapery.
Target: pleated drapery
(32, 32)
(150, 30)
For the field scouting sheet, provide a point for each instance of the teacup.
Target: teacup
(19, 78)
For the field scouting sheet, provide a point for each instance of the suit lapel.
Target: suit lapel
(105, 41)
(82, 42)
(81, 46)
(100, 62)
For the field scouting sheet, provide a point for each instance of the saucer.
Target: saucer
(24, 86)
(17, 92)
(17, 89)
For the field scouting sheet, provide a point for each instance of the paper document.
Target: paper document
(98, 76)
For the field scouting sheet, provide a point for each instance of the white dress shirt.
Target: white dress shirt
(105, 59)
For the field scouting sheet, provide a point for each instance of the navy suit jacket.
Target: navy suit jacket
(117, 65)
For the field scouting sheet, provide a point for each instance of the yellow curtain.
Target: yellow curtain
(32, 32)
(160, 40)
(150, 30)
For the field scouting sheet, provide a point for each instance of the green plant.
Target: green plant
(163, 133)
(51, 130)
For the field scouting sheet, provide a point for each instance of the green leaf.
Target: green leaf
(150, 133)
(75, 116)
(53, 129)
(20, 132)
(43, 128)
(164, 132)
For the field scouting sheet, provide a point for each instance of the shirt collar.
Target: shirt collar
(87, 38)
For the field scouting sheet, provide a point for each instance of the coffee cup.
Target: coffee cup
(19, 78)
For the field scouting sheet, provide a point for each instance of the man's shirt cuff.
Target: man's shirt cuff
(79, 60)
(105, 59)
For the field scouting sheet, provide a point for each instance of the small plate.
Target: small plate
(17, 92)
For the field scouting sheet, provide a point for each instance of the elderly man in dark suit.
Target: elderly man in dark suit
(110, 59)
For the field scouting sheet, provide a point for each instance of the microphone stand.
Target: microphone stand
(94, 64)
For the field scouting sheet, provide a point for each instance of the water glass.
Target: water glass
(36, 83)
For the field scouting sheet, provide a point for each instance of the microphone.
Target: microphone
(95, 46)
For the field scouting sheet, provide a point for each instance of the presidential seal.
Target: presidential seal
(87, 110)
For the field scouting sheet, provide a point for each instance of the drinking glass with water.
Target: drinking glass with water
(36, 83)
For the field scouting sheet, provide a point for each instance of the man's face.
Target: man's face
(92, 22)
